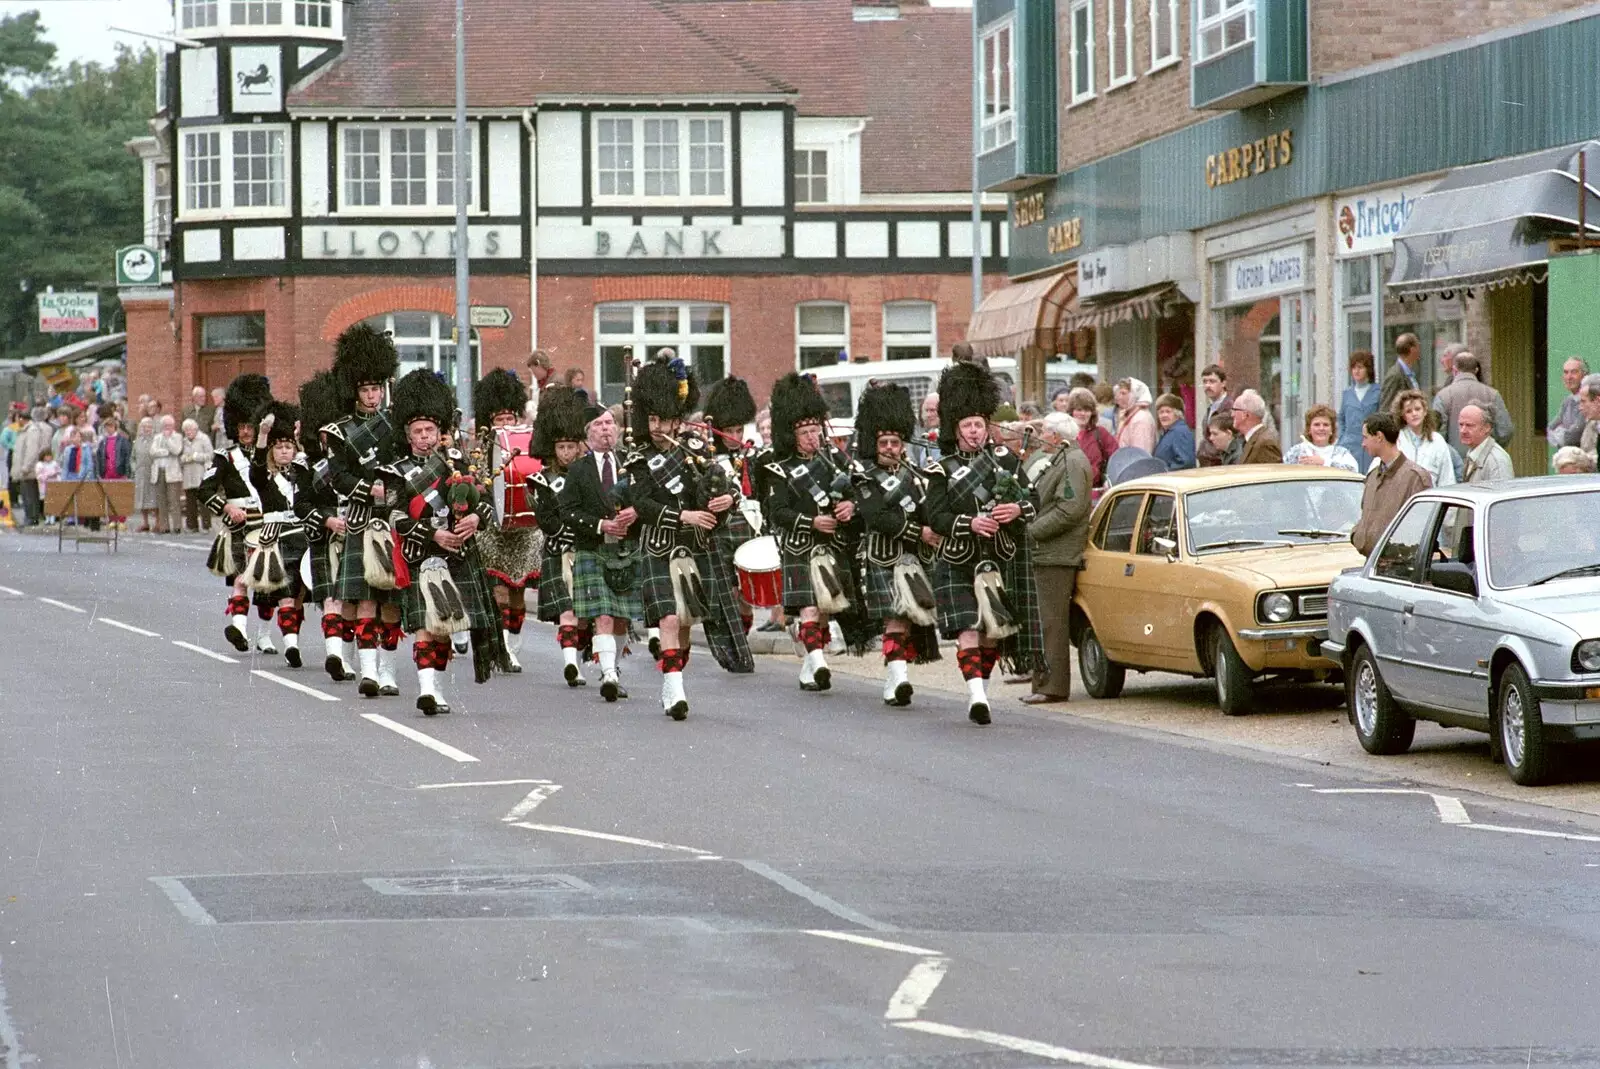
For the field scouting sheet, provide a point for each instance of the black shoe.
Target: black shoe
(609, 689)
(679, 711)
(292, 655)
(979, 714)
(574, 677)
(236, 637)
(391, 691)
(622, 692)
(655, 649)
(824, 678)
(368, 688)
(431, 706)
(902, 694)
(334, 666)
(809, 687)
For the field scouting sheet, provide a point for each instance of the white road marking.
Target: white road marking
(61, 605)
(531, 802)
(204, 547)
(180, 897)
(817, 898)
(202, 651)
(916, 989)
(416, 736)
(12, 590)
(610, 838)
(292, 685)
(1450, 809)
(9, 1042)
(127, 627)
(1025, 1046)
(1538, 832)
(478, 783)
(868, 941)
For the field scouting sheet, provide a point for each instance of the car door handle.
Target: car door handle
(1127, 570)
(1409, 610)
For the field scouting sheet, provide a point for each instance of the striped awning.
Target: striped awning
(1022, 316)
(1152, 302)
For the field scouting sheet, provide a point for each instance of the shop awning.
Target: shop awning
(1023, 315)
(1152, 302)
(81, 354)
(1491, 224)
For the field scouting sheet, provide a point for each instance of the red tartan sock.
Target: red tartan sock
(745, 620)
(238, 605)
(290, 618)
(392, 636)
(971, 663)
(431, 655)
(367, 633)
(514, 618)
(333, 625)
(569, 637)
(347, 630)
(505, 617)
(673, 660)
(991, 655)
(814, 635)
(895, 646)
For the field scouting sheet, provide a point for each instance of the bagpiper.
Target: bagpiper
(729, 412)
(437, 508)
(596, 509)
(978, 503)
(277, 544)
(896, 594)
(808, 505)
(225, 490)
(365, 361)
(558, 442)
(322, 402)
(510, 552)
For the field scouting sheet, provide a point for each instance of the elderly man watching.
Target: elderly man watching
(1064, 493)
(1587, 436)
(1466, 389)
(930, 428)
(1487, 461)
(1261, 445)
(1567, 427)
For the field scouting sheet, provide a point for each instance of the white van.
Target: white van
(841, 384)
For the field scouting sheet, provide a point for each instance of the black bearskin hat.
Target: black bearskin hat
(364, 356)
(245, 397)
(729, 404)
(498, 391)
(885, 408)
(664, 388)
(794, 400)
(422, 394)
(323, 399)
(964, 390)
(276, 421)
(560, 419)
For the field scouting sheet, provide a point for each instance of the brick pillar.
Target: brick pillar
(154, 364)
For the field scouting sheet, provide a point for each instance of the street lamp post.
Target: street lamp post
(461, 185)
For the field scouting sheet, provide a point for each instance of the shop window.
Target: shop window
(1223, 26)
(810, 176)
(256, 12)
(197, 14)
(1119, 42)
(402, 166)
(233, 333)
(1163, 33)
(253, 160)
(666, 157)
(822, 334)
(1080, 27)
(698, 333)
(908, 330)
(314, 13)
(425, 340)
(998, 88)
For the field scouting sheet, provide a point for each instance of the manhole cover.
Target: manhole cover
(492, 884)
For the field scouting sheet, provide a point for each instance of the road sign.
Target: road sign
(138, 265)
(489, 315)
(69, 313)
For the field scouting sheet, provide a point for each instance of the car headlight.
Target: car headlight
(1277, 608)
(1586, 658)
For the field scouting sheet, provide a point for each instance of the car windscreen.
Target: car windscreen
(837, 394)
(1256, 514)
(1541, 539)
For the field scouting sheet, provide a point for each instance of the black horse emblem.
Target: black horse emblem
(249, 80)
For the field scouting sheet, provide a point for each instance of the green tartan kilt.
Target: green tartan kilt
(798, 593)
(351, 584)
(877, 592)
(467, 571)
(958, 603)
(322, 574)
(655, 589)
(591, 597)
(554, 597)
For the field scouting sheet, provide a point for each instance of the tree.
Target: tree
(70, 192)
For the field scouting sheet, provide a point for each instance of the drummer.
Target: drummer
(510, 547)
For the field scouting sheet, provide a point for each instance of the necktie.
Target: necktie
(1472, 469)
(607, 479)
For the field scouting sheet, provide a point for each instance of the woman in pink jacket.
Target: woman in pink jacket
(1135, 425)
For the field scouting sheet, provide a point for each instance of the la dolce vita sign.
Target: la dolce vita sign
(406, 242)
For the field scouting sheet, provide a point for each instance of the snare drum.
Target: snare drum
(513, 464)
(760, 572)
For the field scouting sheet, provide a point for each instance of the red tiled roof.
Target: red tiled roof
(920, 101)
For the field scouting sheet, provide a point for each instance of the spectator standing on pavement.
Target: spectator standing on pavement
(1261, 445)
(1466, 389)
(929, 432)
(197, 409)
(166, 476)
(1588, 436)
(77, 459)
(1224, 439)
(1135, 425)
(215, 429)
(1096, 442)
(32, 442)
(1567, 427)
(144, 501)
(45, 470)
(17, 420)
(1392, 482)
(1419, 437)
(1487, 460)
(1359, 401)
(1402, 373)
(1214, 385)
(1065, 496)
(194, 459)
(1570, 460)
(1175, 447)
(1318, 446)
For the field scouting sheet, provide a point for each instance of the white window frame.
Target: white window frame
(226, 203)
(321, 9)
(1119, 43)
(440, 329)
(1168, 10)
(838, 342)
(1073, 49)
(199, 14)
(930, 338)
(645, 344)
(683, 164)
(999, 129)
(266, 9)
(433, 161)
(1228, 11)
(810, 176)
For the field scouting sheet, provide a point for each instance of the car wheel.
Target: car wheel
(1235, 690)
(1101, 678)
(1382, 727)
(1519, 729)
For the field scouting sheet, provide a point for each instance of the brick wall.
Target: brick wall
(1345, 36)
(152, 351)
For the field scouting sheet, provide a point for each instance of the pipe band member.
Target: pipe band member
(272, 567)
(322, 402)
(226, 493)
(510, 553)
(558, 442)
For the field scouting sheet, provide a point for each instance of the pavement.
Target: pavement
(210, 859)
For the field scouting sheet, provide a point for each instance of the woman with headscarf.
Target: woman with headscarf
(144, 497)
(1135, 425)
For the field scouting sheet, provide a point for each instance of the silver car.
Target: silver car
(1479, 608)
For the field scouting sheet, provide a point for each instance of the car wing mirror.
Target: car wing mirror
(1167, 546)
(1454, 576)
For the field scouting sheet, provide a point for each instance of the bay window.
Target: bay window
(998, 87)
(409, 166)
(238, 169)
(1223, 26)
(660, 157)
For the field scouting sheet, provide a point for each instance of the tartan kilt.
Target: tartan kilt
(511, 555)
(322, 574)
(958, 603)
(798, 592)
(554, 597)
(591, 597)
(467, 571)
(877, 592)
(351, 582)
(655, 588)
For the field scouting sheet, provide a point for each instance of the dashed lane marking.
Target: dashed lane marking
(416, 736)
(202, 651)
(1574, 836)
(478, 783)
(183, 899)
(530, 802)
(869, 941)
(585, 833)
(916, 989)
(204, 547)
(12, 591)
(292, 685)
(61, 605)
(1024, 1046)
(817, 898)
(108, 621)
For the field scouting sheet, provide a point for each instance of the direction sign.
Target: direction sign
(138, 265)
(69, 313)
(489, 315)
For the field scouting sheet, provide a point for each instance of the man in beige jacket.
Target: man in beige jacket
(1059, 532)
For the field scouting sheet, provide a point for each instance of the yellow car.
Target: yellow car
(1219, 572)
